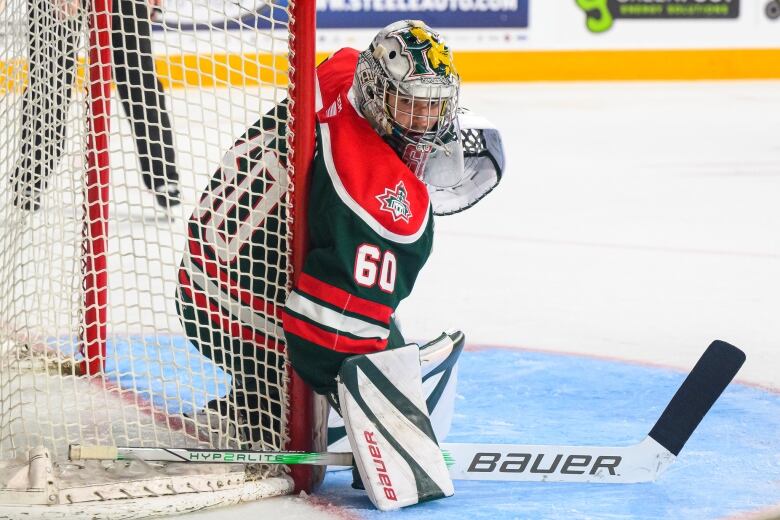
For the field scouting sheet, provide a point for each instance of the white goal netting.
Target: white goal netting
(93, 225)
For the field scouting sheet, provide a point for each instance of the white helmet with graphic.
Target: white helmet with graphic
(407, 88)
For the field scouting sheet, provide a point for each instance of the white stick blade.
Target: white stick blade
(642, 462)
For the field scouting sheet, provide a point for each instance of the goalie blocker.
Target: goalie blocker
(394, 447)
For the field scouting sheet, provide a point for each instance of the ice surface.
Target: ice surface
(636, 221)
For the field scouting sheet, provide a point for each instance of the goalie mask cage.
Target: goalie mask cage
(92, 350)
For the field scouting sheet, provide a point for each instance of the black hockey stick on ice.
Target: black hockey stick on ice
(642, 462)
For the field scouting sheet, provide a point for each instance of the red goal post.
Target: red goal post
(302, 60)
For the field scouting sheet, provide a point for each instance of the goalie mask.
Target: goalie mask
(406, 86)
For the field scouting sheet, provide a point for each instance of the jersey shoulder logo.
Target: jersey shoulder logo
(395, 202)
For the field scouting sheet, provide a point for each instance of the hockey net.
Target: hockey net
(92, 351)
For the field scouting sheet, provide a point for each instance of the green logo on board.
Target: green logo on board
(600, 15)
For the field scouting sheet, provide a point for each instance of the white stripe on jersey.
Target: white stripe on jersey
(232, 308)
(227, 248)
(333, 319)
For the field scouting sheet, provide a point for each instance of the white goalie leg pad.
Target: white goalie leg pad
(392, 440)
(439, 366)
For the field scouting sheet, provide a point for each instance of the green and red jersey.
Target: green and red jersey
(370, 226)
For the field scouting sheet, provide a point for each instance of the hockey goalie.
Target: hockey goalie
(393, 149)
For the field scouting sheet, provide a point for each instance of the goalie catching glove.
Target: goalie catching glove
(394, 447)
(461, 174)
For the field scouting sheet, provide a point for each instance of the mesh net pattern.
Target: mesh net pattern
(189, 78)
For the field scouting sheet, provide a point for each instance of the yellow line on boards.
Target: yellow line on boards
(222, 70)
(217, 70)
(180, 71)
(619, 65)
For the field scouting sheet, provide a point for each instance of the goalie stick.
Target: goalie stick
(642, 462)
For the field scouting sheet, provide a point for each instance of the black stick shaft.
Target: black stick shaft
(706, 382)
